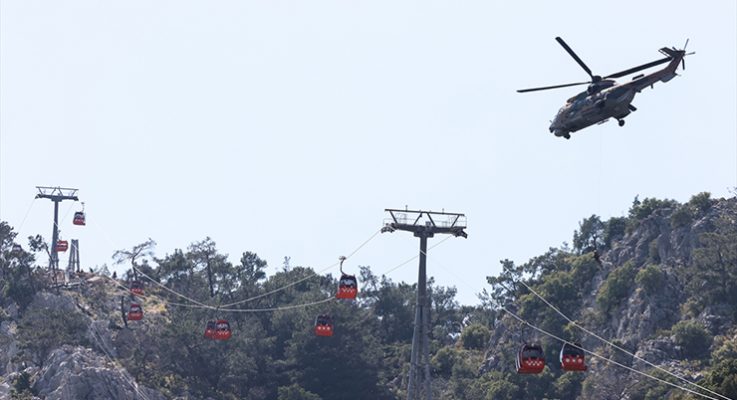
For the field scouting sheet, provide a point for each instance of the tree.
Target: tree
(714, 265)
(295, 392)
(42, 330)
(589, 235)
(693, 338)
(136, 253)
(650, 278)
(475, 337)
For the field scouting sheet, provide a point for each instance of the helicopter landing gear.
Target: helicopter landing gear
(621, 122)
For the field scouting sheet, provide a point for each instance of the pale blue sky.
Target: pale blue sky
(286, 127)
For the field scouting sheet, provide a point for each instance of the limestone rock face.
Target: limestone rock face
(641, 319)
(78, 373)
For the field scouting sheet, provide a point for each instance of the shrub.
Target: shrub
(653, 251)
(693, 338)
(42, 330)
(295, 392)
(475, 336)
(616, 287)
(681, 217)
(701, 202)
(614, 229)
(650, 278)
(444, 360)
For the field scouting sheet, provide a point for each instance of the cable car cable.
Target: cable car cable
(258, 296)
(317, 273)
(598, 337)
(609, 359)
(254, 310)
(133, 384)
(616, 346)
(28, 211)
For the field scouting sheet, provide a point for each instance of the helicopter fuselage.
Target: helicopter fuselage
(606, 99)
(588, 109)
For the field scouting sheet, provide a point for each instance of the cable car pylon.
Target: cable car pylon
(57, 195)
(424, 225)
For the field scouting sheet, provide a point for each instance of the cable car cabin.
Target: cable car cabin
(135, 313)
(347, 288)
(210, 329)
(222, 330)
(17, 249)
(62, 245)
(530, 359)
(324, 326)
(137, 287)
(572, 357)
(79, 218)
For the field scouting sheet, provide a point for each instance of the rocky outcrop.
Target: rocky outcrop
(642, 320)
(72, 372)
(78, 373)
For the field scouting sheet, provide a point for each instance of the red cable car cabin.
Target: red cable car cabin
(222, 330)
(530, 359)
(62, 245)
(79, 218)
(324, 326)
(137, 287)
(347, 288)
(135, 313)
(572, 357)
(210, 329)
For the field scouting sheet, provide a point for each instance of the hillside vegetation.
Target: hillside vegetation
(660, 282)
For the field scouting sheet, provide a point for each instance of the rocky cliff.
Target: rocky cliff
(662, 283)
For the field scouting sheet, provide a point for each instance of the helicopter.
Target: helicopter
(605, 98)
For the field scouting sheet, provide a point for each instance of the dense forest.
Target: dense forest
(661, 282)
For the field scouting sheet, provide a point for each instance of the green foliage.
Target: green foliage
(589, 235)
(713, 269)
(643, 209)
(616, 287)
(17, 280)
(568, 386)
(475, 336)
(295, 392)
(723, 378)
(682, 216)
(22, 389)
(614, 229)
(701, 203)
(42, 330)
(654, 251)
(693, 338)
(650, 279)
(444, 359)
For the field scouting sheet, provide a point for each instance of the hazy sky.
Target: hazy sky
(286, 127)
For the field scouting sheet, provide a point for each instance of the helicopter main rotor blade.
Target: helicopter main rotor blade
(575, 56)
(552, 87)
(640, 68)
